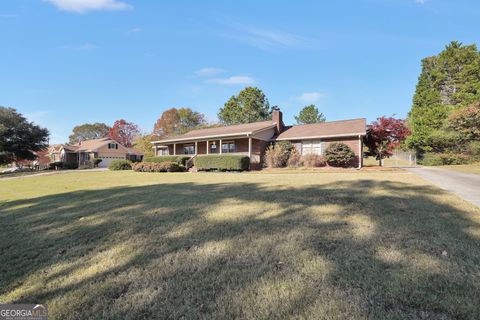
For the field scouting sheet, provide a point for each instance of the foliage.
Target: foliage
(178, 159)
(448, 81)
(96, 162)
(466, 121)
(441, 159)
(124, 132)
(294, 160)
(339, 154)
(445, 140)
(250, 105)
(222, 162)
(55, 165)
(276, 156)
(120, 165)
(19, 138)
(383, 135)
(143, 143)
(474, 149)
(69, 166)
(157, 167)
(88, 131)
(310, 114)
(313, 160)
(178, 121)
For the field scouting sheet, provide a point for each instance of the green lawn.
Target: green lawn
(340, 245)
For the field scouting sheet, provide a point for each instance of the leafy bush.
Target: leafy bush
(440, 159)
(55, 165)
(474, 149)
(276, 156)
(157, 167)
(313, 160)
(178, 159)
(294, 160)
(120, 165)
(96, 162)
(70, 166)
(222, 162)
(339, 154)
(442, 140)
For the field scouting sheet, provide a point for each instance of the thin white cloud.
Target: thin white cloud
(208, 72)
(263, 38)
(234, 80)
(310, 97)
(133, 31)
(420, 1)
(81, 47)
(82, 6)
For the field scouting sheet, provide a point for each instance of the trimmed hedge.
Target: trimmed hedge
(157, 167)
(178, 159)
(120, 165)
(222, 162)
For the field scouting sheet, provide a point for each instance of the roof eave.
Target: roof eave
(322, 136)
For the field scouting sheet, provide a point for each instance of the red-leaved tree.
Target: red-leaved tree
(383, 135)
(124, 132)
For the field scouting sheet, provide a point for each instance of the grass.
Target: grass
(465, 168)
(392, 161)
(351, 245)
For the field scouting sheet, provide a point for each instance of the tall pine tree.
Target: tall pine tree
(448, 82)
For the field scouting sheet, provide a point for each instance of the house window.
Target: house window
(213, 147)
(312, 147)
(163, 152)
(189, 149)
(228, 147)
(112, 146)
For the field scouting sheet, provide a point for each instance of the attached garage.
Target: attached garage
(107, 160)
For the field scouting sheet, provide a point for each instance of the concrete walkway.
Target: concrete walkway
(465, 185)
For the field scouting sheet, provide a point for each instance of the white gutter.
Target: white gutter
(319, 137)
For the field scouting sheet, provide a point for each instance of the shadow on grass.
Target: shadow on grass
(350, 249)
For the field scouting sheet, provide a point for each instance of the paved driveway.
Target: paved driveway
(465, 185)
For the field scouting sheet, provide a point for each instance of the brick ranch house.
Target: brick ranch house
(83, 152)
(252, 139)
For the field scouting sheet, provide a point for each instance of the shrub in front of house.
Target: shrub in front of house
(313, 160)
(157, 167)
(222, 162)
(179, 159)
(70, 166)
(57, 165)
(442, 159)
(120, 165)
(276, 156)
(294, 160)
(339, 155)
(96, 162)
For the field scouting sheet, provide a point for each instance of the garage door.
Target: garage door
(107, 160)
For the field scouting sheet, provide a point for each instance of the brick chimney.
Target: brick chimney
(277, 117)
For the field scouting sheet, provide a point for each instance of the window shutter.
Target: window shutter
(324, 147)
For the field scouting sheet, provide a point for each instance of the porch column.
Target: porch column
(196, 144)
(220, 146)
(360, 152)
(207, 147)
(174, 149)
(250, 148)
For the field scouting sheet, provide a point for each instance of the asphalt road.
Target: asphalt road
(465, 185)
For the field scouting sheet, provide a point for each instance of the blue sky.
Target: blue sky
(67, 62)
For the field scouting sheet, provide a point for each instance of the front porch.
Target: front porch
(250, 147)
